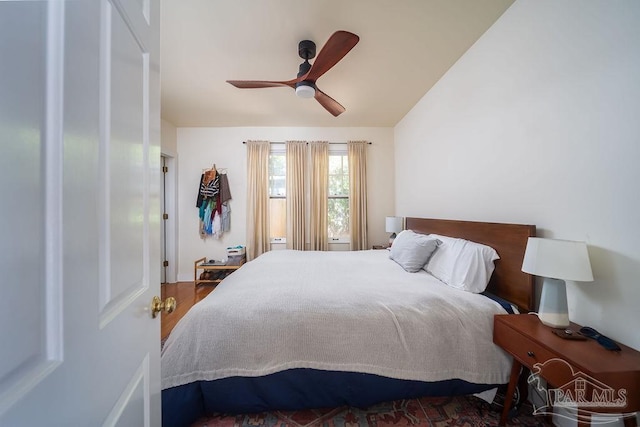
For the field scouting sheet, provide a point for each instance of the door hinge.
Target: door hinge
(165, 216)
(165, 169)
(165, 264)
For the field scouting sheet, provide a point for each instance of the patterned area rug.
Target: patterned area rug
(428, 411)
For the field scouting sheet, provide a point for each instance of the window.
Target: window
(277, 195)
(338, 203)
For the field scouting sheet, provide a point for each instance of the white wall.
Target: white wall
(199, 148)
(169, 139)
(539, 123)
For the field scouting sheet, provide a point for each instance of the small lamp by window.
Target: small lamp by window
(556, 261)
(393, 225)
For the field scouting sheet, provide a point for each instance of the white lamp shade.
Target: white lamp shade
(557, 259)
(393, 224)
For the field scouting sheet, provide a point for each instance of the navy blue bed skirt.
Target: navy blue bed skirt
(296, 389)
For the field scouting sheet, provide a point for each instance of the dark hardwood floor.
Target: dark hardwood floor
(186, 295)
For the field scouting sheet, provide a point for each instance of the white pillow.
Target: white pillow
(412, 250)
(462, 264)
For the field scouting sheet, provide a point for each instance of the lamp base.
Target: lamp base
(554, 320)
(553, 310)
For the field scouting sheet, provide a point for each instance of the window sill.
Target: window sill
(283, 241)
(338, 242)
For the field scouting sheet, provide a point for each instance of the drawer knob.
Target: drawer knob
(531, 354)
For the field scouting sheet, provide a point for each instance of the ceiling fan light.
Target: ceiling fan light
(305, 91)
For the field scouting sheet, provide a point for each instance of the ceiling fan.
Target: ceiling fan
(338, 45)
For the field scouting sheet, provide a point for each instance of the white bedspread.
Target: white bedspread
(342, 311)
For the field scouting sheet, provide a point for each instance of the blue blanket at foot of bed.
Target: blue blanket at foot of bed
(296, 389)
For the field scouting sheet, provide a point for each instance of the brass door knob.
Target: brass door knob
(157, 305)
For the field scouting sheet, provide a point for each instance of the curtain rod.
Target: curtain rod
(284, 142)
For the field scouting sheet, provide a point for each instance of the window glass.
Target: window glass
(277, 195)
(277, 218)
(277, 175)
(338, 221)
(338, 203)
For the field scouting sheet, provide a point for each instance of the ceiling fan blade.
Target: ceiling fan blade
(257, 84)
(338, 45)
(330, 104)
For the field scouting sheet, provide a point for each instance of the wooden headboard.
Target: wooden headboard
(509, 240)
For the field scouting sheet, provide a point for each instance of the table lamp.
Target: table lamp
(556, 261)
(393, 225)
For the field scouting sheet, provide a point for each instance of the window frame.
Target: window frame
(334, 150)
(342, 151)
(277, 149)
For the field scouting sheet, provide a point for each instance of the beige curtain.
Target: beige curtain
(257, 198)
(296, 197)
(319, 193)
(357, 154)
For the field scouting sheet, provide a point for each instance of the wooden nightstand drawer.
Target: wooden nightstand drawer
(519, 346)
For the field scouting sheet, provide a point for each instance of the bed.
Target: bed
(292, 330)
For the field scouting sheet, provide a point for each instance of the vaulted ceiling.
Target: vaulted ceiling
(405, 47)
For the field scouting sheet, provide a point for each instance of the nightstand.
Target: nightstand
(604, 381)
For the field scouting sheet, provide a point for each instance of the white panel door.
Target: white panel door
(80, 213)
